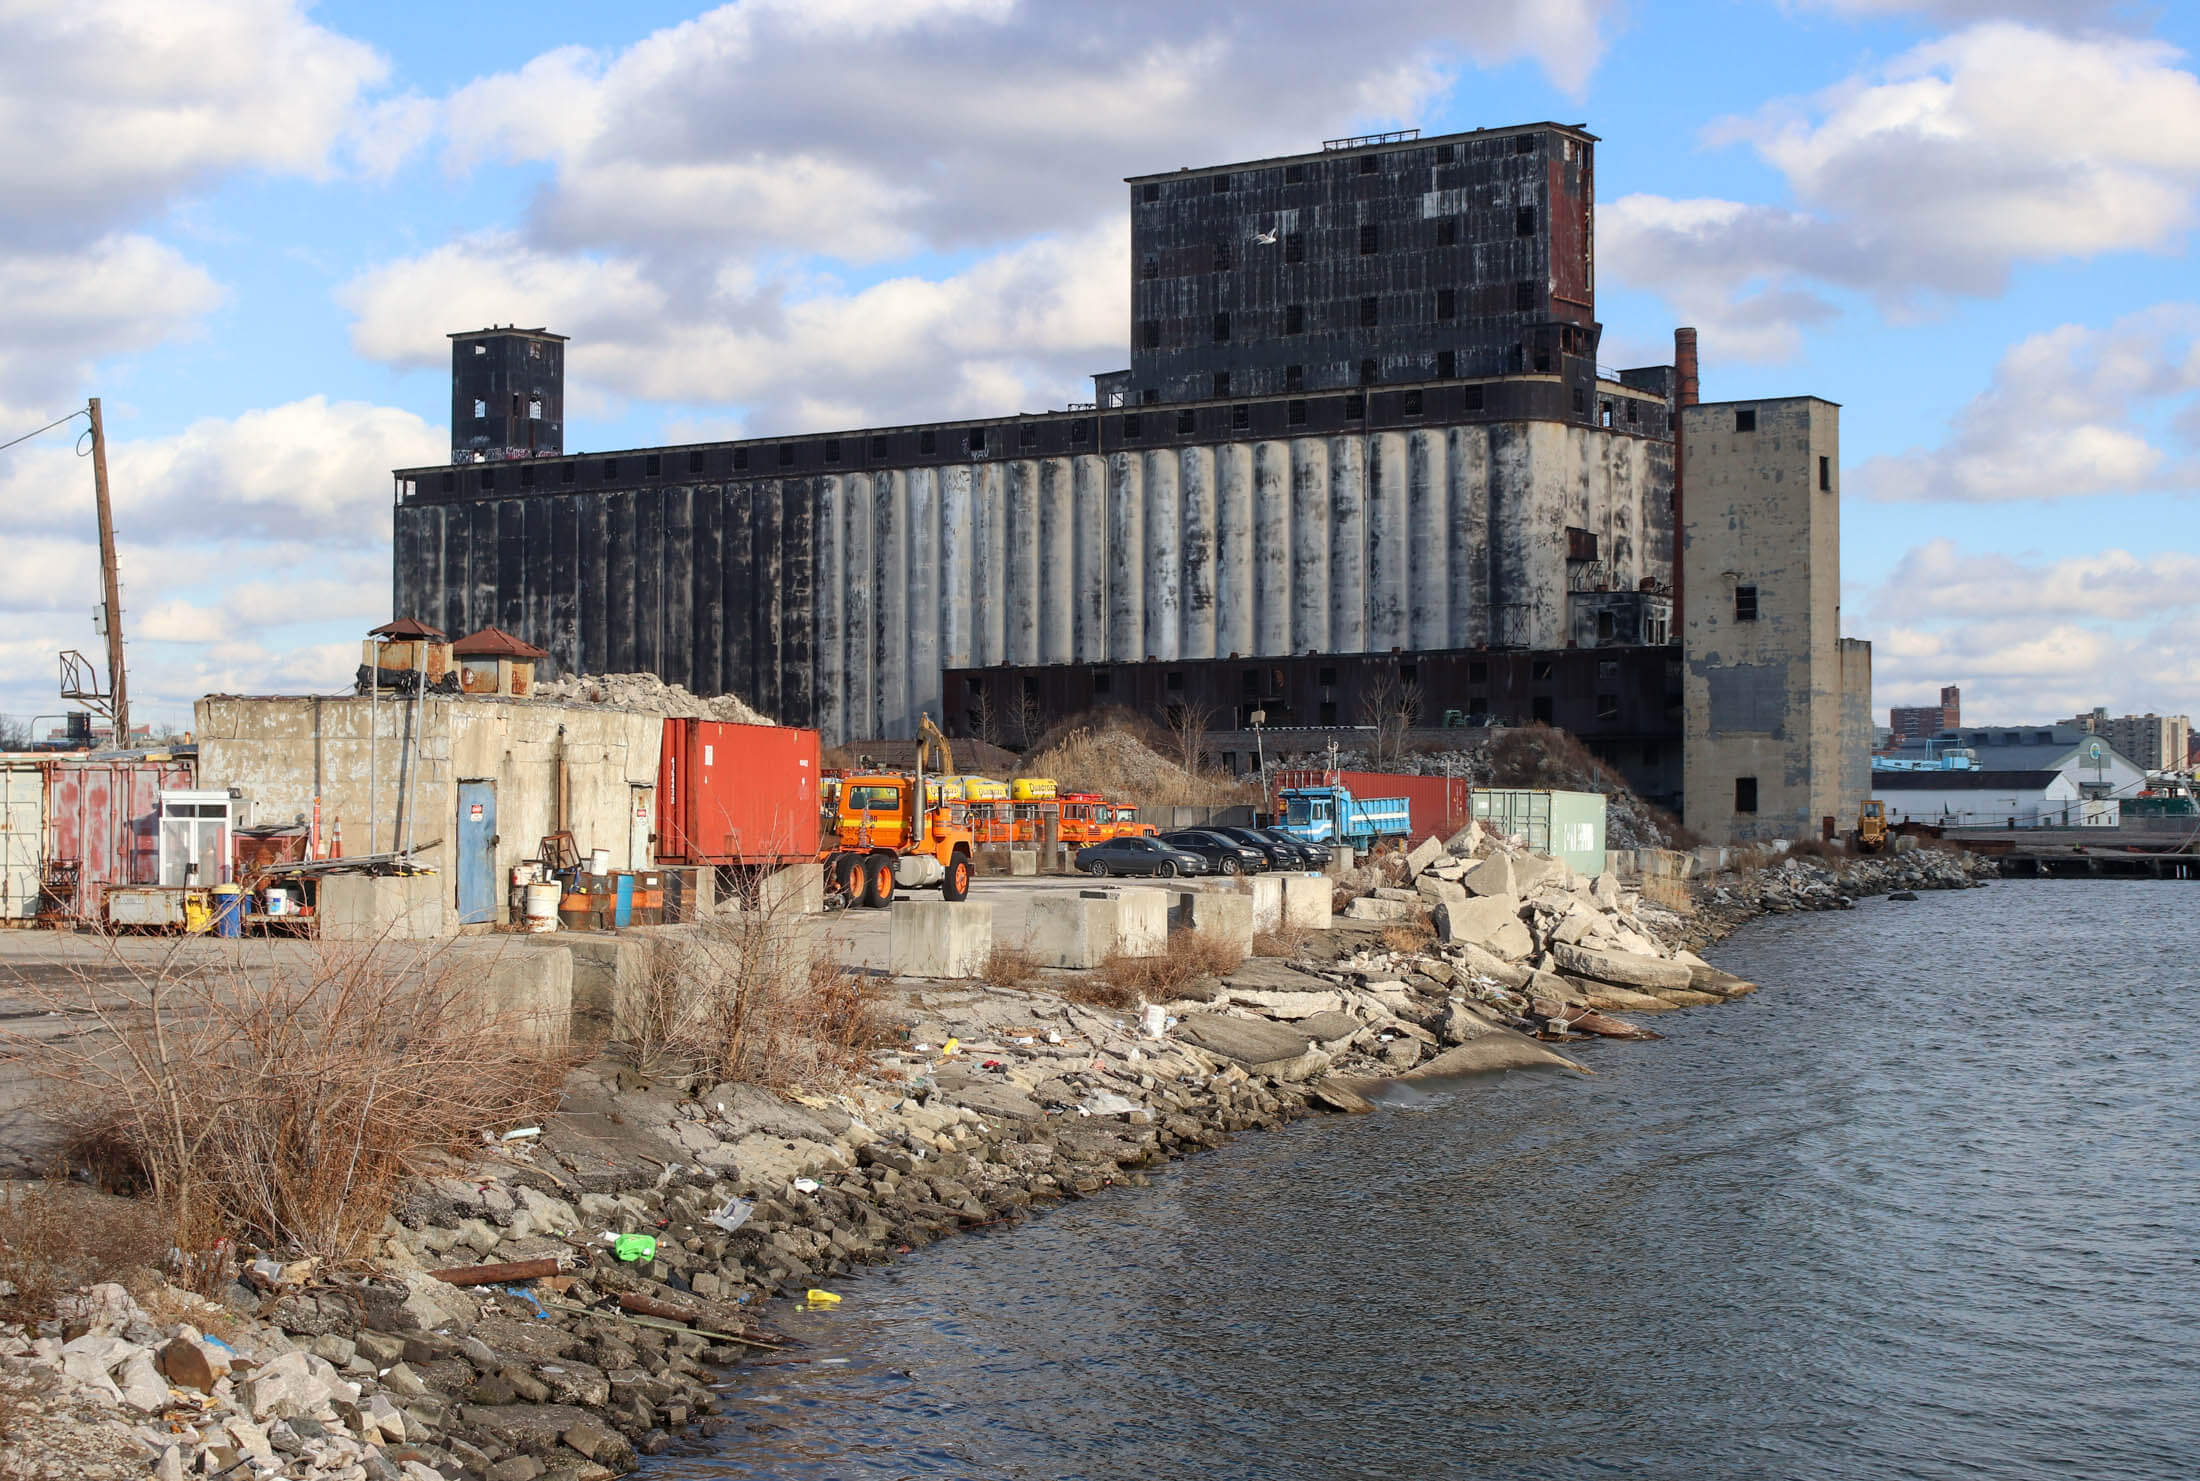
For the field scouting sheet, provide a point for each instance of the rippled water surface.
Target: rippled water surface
(1928, 1206)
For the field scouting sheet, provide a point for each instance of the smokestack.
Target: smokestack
(1685, 391)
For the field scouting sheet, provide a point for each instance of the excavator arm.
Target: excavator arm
(933, 753)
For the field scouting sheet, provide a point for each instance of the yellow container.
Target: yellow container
(1032, 789)
(980, 789)
(198, 913)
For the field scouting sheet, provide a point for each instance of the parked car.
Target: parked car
(1141, 855)
(1279, 854)
(1316, 855)
(1223, 855)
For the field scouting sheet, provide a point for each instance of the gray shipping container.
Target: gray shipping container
(1565, 825)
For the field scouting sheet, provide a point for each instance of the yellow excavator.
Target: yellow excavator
(941, 758)
(1871, 826)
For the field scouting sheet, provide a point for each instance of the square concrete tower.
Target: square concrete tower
(1770, 716)
(507, 394)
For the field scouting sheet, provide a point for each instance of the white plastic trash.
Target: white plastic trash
(541, 906)
(1157, 1020)
(599, 861)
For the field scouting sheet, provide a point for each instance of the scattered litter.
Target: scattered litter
(734, 1214)
(807, 1185)
(522, 1134)
(821, 1298)
(921, 1048)
(1028, 1039)
(542, 1313)
(1155, 1022)
(631, 1247)
(950, 1046)
(1054, 1036)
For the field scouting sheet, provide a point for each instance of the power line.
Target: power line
(27, 436)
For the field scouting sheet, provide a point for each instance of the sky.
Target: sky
(248, 226)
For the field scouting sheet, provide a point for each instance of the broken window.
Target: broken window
(1524, 221)
(1149, 192)
(1222, 185)
(1474, 398)
(1294, 377)
(1295, 412)
(1294, 247)
(1294, 318)
(1447, 232)
(481, 409)
(1355, 407)
(1607, 709)
(1371, 239)
(1241, 417)
(1294, 174)
(1745, 420)
(1604, 412)
(976, 440)
(1825, 474)
(1524, 295)
(1187, 421)
(1220, 386)
(1447, 303)
(1370, 163)
(1745, 604)
(1370, 313)
(1222, 329)
(1080, 431)
(1745, 794)
(1150, 268)
(1524, 144)
(1027, 435)
(1447, 364)
(1539, 670)
(1149, 333)
(1130, 424)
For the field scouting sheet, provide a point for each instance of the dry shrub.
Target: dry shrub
(1411, 937)
(1011, 966)
(57, 1236)
(284, 1105)
(1283, 941)
(1191, 957)
(750, 996)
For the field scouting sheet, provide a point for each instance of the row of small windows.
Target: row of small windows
(1223, 253)
(534, 409)
(1370, 315)
(1364, 164)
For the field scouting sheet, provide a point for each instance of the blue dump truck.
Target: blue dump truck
(1333, 815)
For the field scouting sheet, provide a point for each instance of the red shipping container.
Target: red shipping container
(1441, 805)
(736, 794)
(104, 817)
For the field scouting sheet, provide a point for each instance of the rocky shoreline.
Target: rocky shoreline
(564, 1306)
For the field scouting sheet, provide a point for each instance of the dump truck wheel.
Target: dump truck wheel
(956, 886)
(848, 875)
(878, 882)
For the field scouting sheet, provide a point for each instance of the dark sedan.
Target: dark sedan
(1139, 856)
(1279, 855)
(1317, 855)
(1223, 855)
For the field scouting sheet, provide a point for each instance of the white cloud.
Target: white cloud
(112, 108)
(1934, 175)
(67, 310)
(2068, 13)
(1021, 327)
(2020, 671)
(2063, 417)
(1939, 579)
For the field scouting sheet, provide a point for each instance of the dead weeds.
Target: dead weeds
(1191, 957)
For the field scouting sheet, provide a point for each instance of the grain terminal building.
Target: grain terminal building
(1363, 414)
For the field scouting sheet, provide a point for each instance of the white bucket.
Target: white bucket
(599, 861)
(279, 901)
(541, 906)
(526, 874)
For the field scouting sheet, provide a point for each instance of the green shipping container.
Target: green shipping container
(1565, 825)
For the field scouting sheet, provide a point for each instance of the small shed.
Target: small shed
(492, 661)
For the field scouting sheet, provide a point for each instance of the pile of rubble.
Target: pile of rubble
(1792, 883)
(649, 694)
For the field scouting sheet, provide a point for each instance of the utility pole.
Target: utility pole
(110, 577)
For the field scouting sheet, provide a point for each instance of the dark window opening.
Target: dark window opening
(832, 449)
(695, 462)
(1027, 435)
(1542, 357)
(1746, 420)
(1241, 418)
(1606, 630)
(740, 459)
(488, 478)
(450, 480)
(1540, 708)
(1652, 753)
(786, 455)
(1474, 398)
(1604, 413)
(1447, 364)
(1173, 682)
(1581, 544)
(1634, 412)
(1355, 407)
(1524, 221)
(1524, 295)
(1130, 424)
(1294, 247)
(527, 476)
(1149, 333)
(649, 466)
(1149, 397)
(1371, 239)
(1409, 673)
(1294, 377)
(1539, 670)
(610, 469)
(1080, 431)
(566, 472)
(1149, 192)
(1250, 681)
(1745, 794)
(1326, 677)
(1478, 705)
(1581, 402)
(1219, 387)
(1607, 709)
(1150, 268)
(878, 447)
(1447, 303)
(1294, 174)
(1524, 144)
(1328, 712)
(1102, 681)
(1222, 328)
(1222, 256)
(1409, 405)
(927, 442)
(1295, 412)
(1447, 232)
(1745, 604)
(1222, 185)
(977, 439)
(1370, 164)
(1825, 474)
(1442, 154)
(1478, 672)
(1294, 318)
(1187, 421)
(1367, 372)
(1370, 313)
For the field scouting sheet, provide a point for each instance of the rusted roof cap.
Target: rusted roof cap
(407, 627)
(494, 642)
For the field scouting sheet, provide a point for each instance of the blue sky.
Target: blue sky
(247, 226)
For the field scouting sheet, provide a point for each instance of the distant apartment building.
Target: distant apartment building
(2156, 742)
(1920, 722)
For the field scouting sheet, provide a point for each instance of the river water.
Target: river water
(1926, 1206)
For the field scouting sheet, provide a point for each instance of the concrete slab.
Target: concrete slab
(1423, 854)
(1073, 931)
(941, 938)
(1224, 915)
(1023, 861)
(1266, 893)
(1259, 1045)
(396, 907)
(1623, 969)
(1307, 899)
(1491, 922)
(1142, 924)
(1374, 908)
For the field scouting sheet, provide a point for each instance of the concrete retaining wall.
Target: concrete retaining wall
(940, 938)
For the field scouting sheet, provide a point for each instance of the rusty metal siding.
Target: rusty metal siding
(104, 816)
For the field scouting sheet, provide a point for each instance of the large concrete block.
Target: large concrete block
(1442, 891)
(677, 971)
(1624, 969)
(1023, 861)
(1266, 891)
(525, 991)
(1423, 854)
(1491, 922)
(394, 907)
(605, 969)
(940, 938)
(1073, 931)
(1142, 924)
(798, 889)
(1225, 915)
(1307, 899)
(1376, 908)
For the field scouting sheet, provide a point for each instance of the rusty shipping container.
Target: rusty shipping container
(101, 825)
(736, 794)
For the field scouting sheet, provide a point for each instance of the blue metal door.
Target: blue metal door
(477, 852)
